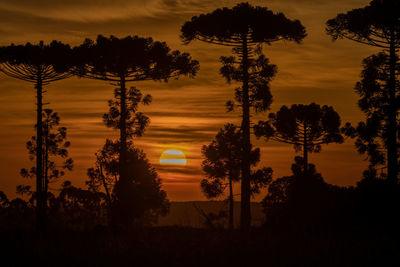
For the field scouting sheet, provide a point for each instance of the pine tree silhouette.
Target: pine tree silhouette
(41, 65)
(306, 127)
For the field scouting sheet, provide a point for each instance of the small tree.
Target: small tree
(41, 65)
(223, 162)
(291, 197)
(245, 28)
(378, 25)
(79, 209)
(144, 200)
(105, 173)
(54, 146)
(306, 127)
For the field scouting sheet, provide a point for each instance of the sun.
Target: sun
(173, 157)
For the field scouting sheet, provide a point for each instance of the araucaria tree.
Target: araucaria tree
(222, 165)
(378, 25)
(129, 59)
(54, 145)
(371, 135)
(41, 65)
(306, 127)
(245, 28)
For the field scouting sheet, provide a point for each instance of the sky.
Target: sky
(186, 113)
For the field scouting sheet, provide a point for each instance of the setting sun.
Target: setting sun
(173, 156)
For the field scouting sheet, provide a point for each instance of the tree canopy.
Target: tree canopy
(228, 25)
(373, 24)
(25, 62)
(134, 58)
(306, 127)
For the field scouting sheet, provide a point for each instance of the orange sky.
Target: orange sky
(186, 113)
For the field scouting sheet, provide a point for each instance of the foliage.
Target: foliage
(78, 209)
(223, 160)
(135, 121)
(371, 25)
(145, 198)
(132, 58)
(377, 24)
(260, 74)
(28, 62)
(308, 202)
(371, 135)
(54, 146)
(306, 127)
(226, 26)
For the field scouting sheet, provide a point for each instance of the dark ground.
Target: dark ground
(178, 246)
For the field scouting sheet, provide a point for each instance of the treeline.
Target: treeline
(129, 186)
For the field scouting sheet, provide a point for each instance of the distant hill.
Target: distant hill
(191, 213)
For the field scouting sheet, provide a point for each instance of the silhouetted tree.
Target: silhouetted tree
(3, 200)
(294, 200)
(377, 24)
(371, 135)
(79, 209)
(39, 64)
(54, 146)
(144, 200)
(306, 127)
(105, 173)
(245, 28)
(223, 161)
(130, 59)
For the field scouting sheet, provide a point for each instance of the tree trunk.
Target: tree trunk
(105, 187)
(108, 196)
(119, 212)
(231, 203)
(45, 164)
(391, 144)
(40, 206)
(123, 148)
(305, 151)
(245, 214)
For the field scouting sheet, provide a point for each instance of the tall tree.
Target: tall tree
(378, 25)
(223, 162)
(54, 145)
(41, 65)
(306, 127)
(244, 28)
(124, 60)
(371, 135)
